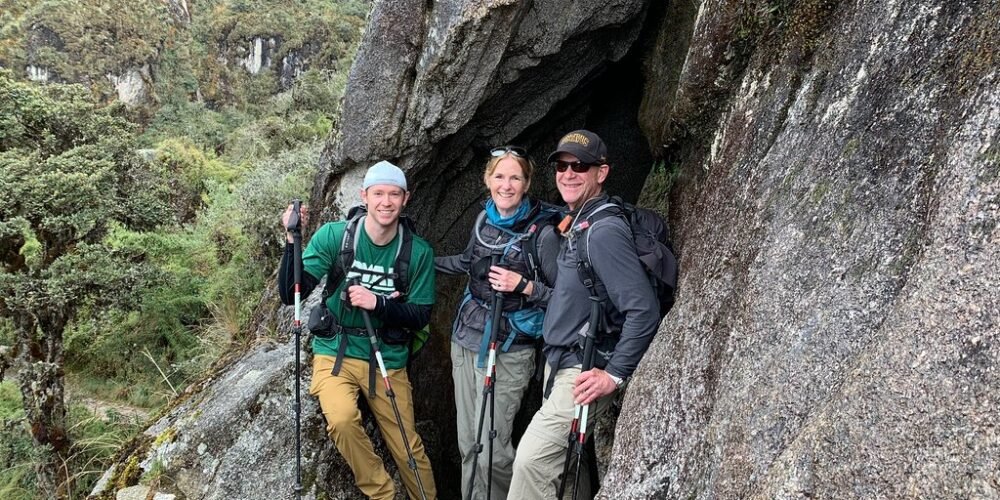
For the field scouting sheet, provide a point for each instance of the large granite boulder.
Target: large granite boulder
(837, 330)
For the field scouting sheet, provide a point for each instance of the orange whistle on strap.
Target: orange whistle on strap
(564, 224)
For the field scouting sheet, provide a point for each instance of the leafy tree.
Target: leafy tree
(67, 173)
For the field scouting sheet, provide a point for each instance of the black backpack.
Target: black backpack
(401, 267)
(652, 241)
(529, 320)
(349, 244)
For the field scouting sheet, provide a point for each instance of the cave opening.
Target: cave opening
(607, 101)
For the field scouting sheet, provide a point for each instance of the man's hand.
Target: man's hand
(304, 218)
(362, 297)
(592, 385)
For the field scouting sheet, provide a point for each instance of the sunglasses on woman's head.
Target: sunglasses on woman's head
(514, 150)
(576, 166)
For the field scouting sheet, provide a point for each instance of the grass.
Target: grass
(147, 394)
(97, 433)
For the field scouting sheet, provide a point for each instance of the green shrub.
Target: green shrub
(208, 278)
(165, 319)
(267, 190)
(195, 122)
(191, 170)
(272, 135)
(319, 91)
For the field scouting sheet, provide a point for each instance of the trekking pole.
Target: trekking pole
(488, 392)
(573, 426)
(578, 427)
(588, 364)
(295, 226)
(373, 338)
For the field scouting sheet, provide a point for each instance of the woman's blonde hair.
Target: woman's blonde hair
(527, 167)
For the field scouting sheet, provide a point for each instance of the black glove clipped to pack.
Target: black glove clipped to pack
(480, 269)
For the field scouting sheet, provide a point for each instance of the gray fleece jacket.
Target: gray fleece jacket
(623, 285)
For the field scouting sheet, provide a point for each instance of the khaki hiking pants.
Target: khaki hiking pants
(338, 397)
(542, 450)
(514, 371)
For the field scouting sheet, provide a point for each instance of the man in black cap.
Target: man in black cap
(629, 303)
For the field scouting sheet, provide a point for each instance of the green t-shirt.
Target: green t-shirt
(321, 254)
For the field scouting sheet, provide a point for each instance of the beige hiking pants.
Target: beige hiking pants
(338, 397)
(542, 451)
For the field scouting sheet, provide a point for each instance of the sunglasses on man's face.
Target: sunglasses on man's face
(514, 150)
(576, 166)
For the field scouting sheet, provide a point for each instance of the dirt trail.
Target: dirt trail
(106, 410)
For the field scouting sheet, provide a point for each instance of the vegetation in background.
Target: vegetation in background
(656, 191)
(67, 170)
(96, 436)
(196, 177)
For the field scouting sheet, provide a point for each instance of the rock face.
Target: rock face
(258, 55)
(41, 38)
(435, 89)
(837, 330)
(835, 206)
(131, 86)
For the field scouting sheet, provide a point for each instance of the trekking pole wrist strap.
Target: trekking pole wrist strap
(521, 285)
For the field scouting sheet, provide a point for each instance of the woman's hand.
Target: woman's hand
(503, 280)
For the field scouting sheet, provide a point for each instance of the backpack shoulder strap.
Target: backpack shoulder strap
(546, 218)
(345, 255)
(401, 280)
(584, 265)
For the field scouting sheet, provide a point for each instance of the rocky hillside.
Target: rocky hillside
(147, 54)
(835, 204)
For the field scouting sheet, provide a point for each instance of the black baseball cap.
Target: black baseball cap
(585, 145)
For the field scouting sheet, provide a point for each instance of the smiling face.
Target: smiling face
(385, 203)
(507, 183)
(576, 188)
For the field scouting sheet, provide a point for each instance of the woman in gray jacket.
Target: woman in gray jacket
(512, 250)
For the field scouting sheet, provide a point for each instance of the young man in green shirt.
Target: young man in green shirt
(343, 361)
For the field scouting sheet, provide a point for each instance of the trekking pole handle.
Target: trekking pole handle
(497, 297)
(294, 221)
(295, 218)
